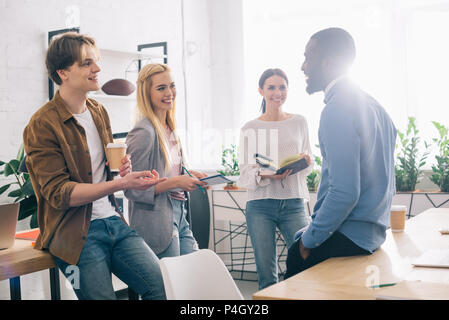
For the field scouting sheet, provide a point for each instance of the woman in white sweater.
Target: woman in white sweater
(273, 200)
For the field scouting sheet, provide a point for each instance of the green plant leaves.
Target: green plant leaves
(15, 194)
(5, 187)
(313, 179)
(27, 188)
(230, 162)
(12, 167)
(27, 207)
(441, 169)
(25, 193)
(409, 161)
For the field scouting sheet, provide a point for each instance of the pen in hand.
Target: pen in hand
(192, 177)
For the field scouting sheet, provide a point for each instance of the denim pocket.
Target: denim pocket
(263, 203)
(296, 203)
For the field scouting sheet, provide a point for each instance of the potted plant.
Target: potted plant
(230, 164)
(24, 193)
(440, 174)
(313, 179)
(409, 163)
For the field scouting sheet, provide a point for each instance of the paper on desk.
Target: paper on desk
(437, 258)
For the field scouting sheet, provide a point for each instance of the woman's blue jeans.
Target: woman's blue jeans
(262, 218)
(112, 246)
(183, 241)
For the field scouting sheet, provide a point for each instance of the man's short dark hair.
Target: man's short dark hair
(335, 43)
(64, 51)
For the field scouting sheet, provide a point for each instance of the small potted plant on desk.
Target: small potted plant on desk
(230, 164)
(25, 193)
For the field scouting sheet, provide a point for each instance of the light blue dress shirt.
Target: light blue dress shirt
(357, 140)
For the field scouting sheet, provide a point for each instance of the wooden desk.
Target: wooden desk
(350, 277)
(22, 259)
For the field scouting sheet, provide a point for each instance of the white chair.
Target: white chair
(200, 275)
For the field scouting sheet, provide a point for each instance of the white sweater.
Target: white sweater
(276, 140)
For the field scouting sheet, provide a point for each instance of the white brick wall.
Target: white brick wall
(215, 92)
(120, 25)
(24, 25)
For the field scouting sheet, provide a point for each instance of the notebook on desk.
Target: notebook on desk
(8, 223)
(433, 259)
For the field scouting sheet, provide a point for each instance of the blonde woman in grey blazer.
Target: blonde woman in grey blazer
(159, 214)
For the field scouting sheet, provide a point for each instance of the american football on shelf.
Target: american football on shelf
(118, 87)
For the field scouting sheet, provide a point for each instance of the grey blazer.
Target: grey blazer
(149, 214)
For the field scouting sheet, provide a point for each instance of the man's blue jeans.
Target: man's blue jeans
(262, 218)
(112, 246)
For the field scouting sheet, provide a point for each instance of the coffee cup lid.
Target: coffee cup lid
(398, 208)
(116, 145)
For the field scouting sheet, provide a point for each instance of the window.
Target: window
(401, 55)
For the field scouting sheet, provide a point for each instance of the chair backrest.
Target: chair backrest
(200, 275)
(200, 217)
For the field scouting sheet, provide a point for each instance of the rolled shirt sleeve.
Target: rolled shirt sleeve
(45, 157)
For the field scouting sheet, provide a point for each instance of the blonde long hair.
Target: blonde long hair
(146, 110)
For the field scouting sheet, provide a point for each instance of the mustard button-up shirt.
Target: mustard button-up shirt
(57, 159)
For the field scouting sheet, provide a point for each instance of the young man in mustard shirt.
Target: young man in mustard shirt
(79, 220)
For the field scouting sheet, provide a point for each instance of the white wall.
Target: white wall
(210, 65)
(207, 27)
(24, 26)
(215, 100)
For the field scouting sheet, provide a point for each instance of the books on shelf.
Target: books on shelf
(296, 163)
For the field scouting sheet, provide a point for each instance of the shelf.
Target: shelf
(136, 55)
(100, 96)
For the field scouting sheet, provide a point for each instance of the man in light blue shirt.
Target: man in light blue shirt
(357, 141)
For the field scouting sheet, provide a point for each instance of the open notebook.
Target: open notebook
(437, 258)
